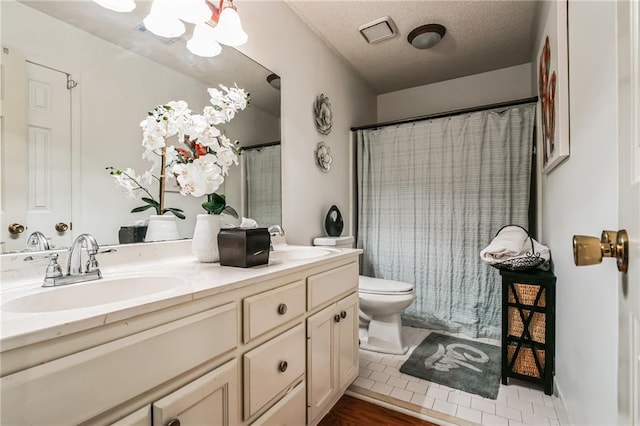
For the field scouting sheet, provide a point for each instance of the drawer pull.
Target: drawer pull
(336, 318)
(283, 366)
(174, 422)
(343, 314)
(282, 309)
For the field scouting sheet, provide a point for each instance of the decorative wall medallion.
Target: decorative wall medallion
(322, 114)
(323, 157)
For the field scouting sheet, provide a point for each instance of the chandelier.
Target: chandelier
(213, 25)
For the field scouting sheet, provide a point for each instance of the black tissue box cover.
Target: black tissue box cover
(244, 248)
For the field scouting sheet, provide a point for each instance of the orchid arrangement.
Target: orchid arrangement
(133, 186)
(201, 159)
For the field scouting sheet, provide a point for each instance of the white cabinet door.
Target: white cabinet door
(322, 380)
(348, 340)
(141, 417)
(210, 400)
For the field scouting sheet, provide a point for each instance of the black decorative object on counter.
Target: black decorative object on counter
(244, 248)
(333, 223)
(132, 234)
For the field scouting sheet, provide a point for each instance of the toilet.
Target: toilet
(381, 304)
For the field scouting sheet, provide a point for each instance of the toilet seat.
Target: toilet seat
(368, 285)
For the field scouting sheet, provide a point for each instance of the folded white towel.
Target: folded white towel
(513, 242)
(248, 223)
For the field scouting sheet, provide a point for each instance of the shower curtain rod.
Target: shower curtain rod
(261, 145)
(449, 113)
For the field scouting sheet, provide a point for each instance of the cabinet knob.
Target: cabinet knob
(282, 309)
(16, 228)
(283, 366)
(174, 422)
(343, 314)
(336, 318)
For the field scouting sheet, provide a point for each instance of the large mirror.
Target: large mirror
(77, 79)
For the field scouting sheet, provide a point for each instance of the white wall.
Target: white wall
(580, 197)
(280, 41)
(486, 88)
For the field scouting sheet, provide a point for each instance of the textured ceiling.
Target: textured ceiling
(481, 36)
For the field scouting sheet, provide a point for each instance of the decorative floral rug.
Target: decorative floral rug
(473, 367)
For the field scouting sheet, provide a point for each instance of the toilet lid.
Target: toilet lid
(380, 286)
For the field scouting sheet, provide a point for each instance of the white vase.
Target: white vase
(205, 238)
(162, 228)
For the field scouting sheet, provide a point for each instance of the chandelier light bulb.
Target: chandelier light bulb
(117, 5)
(163, 21)
(203, 42)
(229, 29)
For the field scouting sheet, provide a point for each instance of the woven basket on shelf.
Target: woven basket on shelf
(527, 294)
(525, 363)
(537, 325)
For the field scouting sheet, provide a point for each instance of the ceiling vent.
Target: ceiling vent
(378, 30)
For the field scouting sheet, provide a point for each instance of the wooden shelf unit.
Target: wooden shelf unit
(528, 327)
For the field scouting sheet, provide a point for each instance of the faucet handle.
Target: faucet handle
(53, 269)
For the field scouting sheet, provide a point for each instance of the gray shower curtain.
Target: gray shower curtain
(263, 190)
(431, 195)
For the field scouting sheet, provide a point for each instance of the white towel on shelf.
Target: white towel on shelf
(513, 242)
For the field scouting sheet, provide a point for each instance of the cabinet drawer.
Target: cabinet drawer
(289, 411)
(78, 387)
(272, 367)
(329, 285)
(268, 310)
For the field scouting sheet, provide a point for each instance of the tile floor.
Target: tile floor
(517, 404)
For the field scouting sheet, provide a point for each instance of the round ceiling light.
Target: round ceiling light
(426, 36)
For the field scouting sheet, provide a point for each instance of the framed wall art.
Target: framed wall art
(553, 88)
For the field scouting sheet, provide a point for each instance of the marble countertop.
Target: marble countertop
(172, 260)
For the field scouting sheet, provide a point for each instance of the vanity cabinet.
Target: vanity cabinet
(332, 354)
(279, 350)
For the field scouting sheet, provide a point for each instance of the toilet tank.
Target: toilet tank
(337, 242)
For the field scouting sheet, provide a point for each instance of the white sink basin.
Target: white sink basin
(91, 293)
(282, 253)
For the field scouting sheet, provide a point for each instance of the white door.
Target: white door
(629, 209)
(36, 152)
(49, 153)
(13, 118)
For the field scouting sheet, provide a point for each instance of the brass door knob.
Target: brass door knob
(16, 228)
(590, 250)
(61, 227)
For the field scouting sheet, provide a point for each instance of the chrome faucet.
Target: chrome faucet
(74, 265)
(37, 242)
(75, 273)
(276, 230)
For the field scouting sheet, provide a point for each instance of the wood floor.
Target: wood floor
(350, 411)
